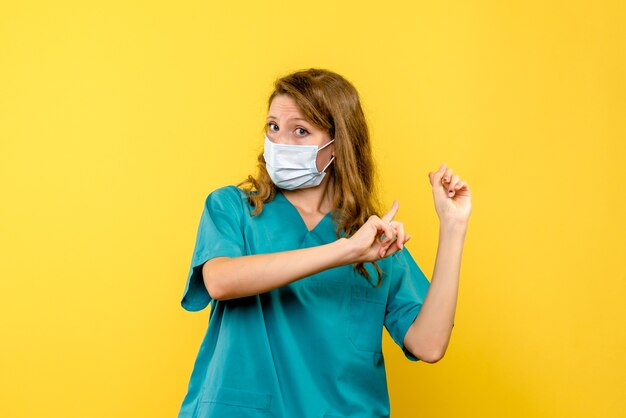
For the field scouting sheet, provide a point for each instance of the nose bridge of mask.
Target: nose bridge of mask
(287, 147)
(288, 156)
(293, 157)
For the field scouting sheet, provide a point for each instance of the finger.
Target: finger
(438, 175)
(383, 250)
(388, 236)
(451, 187)
(388, 217)
(393, 249)
(463, 190)
(460, 188)
(447, 175)
(453, 181)
(439, 190)
(390, 250)
(435, 176)
(399, 227)
(381, 225)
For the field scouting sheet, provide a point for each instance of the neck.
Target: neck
(313, 199)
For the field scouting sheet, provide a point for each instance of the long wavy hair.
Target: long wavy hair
(331, 103)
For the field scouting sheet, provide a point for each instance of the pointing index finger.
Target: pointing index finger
(388, 217)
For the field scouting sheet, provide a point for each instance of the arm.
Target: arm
(429, 335)
(228, 278)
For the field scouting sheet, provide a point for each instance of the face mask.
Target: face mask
(293, 166)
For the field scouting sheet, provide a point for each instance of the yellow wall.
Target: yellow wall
(116, 121)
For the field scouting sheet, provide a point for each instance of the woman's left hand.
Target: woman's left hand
(453, 208)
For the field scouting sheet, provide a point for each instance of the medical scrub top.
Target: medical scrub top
(312, 348)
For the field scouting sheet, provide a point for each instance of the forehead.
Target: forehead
(284, 107)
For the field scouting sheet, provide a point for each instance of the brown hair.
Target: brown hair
(331, 103)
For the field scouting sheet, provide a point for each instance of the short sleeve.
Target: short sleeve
(407, 291)
(219, 234)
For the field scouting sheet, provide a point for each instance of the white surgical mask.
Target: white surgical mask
(293, 166)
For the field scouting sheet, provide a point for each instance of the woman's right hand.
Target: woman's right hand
(366, 243)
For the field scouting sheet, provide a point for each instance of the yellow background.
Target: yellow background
(117, 119)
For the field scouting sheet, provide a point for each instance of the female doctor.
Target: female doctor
(302, 274)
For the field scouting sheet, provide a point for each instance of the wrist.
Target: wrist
(453, 228)
(344, 251)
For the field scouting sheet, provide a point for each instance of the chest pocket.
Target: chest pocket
(365, 320)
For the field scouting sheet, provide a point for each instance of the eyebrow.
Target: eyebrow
(274, 117)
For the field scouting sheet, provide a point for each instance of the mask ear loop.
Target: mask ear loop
(325, 145)
(332, 159)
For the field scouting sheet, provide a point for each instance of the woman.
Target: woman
(302, 274)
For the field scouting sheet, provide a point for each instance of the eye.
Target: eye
(301, 131)
(270, 124)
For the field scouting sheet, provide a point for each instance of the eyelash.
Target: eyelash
(269, 124)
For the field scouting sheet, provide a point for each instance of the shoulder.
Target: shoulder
(228, 198)
(229, 192)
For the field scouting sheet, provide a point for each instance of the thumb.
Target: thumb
(438, 188)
